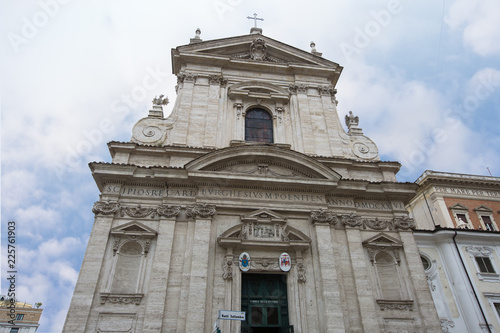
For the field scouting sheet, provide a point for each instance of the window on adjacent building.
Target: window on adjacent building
(14, 330)
(19, 316)
(258, 126)
(425, 262)
(484, 261)
(461, 218)
(484, 264)
(488, 224)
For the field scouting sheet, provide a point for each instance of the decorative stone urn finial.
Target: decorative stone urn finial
(313, 49)
(196, 38)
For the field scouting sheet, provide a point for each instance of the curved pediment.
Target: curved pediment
(258, 87)
(264, 161)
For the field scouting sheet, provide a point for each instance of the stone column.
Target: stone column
(157, 290)
(195, 320)
(328, 274)
(88, 279)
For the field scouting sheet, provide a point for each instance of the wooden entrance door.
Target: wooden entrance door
(264, 299)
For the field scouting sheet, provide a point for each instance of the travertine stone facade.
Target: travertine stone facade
(188, 195)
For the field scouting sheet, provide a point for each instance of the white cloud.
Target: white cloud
(480, 24)
(19, 186)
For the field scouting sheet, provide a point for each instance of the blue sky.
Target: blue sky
(423, 76)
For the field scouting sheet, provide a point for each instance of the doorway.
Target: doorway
(264, 299)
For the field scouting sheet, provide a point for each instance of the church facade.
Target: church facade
(251, 197)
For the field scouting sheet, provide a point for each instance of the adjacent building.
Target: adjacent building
(19, 317)
(251, 197)
(457, 234)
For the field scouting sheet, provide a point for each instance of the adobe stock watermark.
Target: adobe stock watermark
(120, 108)
(223, 6)
(30, 27)
(451, 120)
(363, 36)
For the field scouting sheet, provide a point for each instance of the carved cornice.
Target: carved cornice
(403, 223)
(377, 224)
(202, 210)
(323, 216)
(479, 250)
(105, 207)
(137, 212)
(168, 211)
(352, 220)
(121, 298)
(406, 305)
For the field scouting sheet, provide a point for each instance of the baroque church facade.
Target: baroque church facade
(251, 197)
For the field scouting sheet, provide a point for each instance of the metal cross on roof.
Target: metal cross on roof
(255, 18)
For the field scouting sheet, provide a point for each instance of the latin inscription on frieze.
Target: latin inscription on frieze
(371, 205)
(135, 191)
(466, 191)
(261, 195)
(245, 194)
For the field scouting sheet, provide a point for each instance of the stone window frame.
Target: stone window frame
(271, 120)
(385, 243)
(462, 210)
(485, 211)
(484, 252)
(121, 235)
(494, 299)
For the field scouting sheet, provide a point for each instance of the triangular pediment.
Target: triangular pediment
(133, 229)
(383, 240)
(253, 48)
(458, 207)
(484, 209)
(263, 215)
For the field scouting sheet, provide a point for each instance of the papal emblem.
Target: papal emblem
(244, 262)
(285, 262)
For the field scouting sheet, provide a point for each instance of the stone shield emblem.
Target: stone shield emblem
(285, 262)
(244, 262)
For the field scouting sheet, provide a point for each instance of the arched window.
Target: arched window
(258, 126)
(127, 268)
(388, 277)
